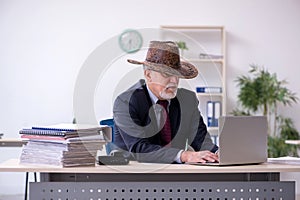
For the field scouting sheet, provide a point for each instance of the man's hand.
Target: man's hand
(200, 156)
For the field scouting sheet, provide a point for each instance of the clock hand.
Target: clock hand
(129, 43)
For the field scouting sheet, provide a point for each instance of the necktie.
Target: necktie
(165, 132)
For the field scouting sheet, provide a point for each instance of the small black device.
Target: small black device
(115, 158)
(112, 160)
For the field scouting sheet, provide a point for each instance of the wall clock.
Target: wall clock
(130, 41)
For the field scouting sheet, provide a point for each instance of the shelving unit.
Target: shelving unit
(209, 40)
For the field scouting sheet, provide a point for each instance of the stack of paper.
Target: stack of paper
(285, 160)
(64, 145)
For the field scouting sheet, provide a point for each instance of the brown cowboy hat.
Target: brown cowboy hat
(163, 56)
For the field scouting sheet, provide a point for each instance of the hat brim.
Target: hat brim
(186, 70)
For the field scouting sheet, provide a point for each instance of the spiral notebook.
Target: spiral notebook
(68, 127)
(46, 132)
(68, 131)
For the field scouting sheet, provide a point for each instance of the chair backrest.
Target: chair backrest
(109, 122)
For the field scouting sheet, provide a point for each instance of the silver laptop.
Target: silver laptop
(242, 140)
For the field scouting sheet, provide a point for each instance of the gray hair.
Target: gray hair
(145, 67)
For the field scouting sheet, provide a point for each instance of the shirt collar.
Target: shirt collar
(153, 98)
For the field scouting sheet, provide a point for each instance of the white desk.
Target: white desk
(297, 142)
(13, 165)
(159, 181)
(17, 142)
(12, 142)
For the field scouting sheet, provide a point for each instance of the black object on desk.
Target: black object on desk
(115, 158)
(112, 160)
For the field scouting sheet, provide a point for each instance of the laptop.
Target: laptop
(242, 140)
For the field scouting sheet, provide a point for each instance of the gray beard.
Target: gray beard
(167, 96)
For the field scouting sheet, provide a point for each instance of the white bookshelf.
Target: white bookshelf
(212, 71)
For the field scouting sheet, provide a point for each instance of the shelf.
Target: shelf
(209, 94)
(213, 128)
(204, 60)
(193, 27)
(207, 51)
(213, 131)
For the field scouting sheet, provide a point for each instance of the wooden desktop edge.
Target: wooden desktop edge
(12, 165)
(12, 142)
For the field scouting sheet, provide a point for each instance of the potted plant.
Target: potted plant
(262, 93)
(182, 46)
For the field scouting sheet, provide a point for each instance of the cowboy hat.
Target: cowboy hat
(163, 56)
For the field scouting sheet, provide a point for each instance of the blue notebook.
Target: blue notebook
(70, 130)
(45, 132)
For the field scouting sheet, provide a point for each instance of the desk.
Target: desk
(159, 182)
(12, 142)
(17, 142)
(297, 142)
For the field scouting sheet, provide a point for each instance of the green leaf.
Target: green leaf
(182, 45)
(261, 91)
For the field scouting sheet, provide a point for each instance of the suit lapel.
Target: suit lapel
(174, 112)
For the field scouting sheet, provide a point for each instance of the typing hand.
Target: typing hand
(200, 156)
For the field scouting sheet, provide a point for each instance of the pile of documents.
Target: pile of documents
(65, 145)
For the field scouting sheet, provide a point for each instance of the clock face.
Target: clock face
(130, 41)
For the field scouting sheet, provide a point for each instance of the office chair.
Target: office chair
(109, 145)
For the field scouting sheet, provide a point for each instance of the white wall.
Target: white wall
(43, 45)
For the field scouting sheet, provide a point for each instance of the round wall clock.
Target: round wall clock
(130, 41)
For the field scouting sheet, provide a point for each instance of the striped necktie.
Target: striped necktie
(165, 132)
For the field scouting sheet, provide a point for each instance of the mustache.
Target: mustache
(171, 85)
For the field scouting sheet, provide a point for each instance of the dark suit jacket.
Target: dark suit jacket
(136, 130)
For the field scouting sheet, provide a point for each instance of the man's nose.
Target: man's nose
(174, 79)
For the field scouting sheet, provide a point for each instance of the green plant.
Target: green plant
(262, 93)
(276, 144)
(182, 46)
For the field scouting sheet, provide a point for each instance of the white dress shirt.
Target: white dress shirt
(157, 110)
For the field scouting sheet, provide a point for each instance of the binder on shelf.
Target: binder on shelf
(217, 112)
(213, 113)
(209, 112)
(208, 89)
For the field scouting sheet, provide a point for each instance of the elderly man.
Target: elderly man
(155, 121)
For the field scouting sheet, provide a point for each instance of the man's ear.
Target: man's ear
(147, 74)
